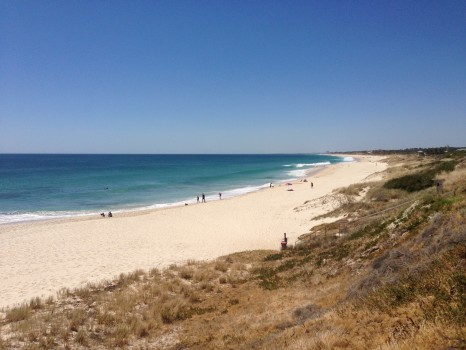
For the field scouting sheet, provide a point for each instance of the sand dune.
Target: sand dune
(40, 258)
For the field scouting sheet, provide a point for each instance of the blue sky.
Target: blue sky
(231, 76)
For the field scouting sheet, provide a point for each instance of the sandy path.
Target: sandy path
(39, 258)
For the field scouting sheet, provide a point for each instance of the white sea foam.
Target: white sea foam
(288, 165)
(243, 190)
(297, 173)
(312, 164)
(43, 215)
(209, 197)
(304, 169)
(348, 159)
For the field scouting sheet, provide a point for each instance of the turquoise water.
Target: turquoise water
(46, 186)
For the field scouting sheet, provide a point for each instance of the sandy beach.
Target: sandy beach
(40, 258)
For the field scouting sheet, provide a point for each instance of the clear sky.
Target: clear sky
(217, 76)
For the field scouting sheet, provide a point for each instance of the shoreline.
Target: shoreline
(42, 257)
(165, 206)
(126, 212)
(40, 216)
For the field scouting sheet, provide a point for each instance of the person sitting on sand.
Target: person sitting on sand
(110, 214)
(102, 214)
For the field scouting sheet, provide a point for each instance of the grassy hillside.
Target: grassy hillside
(391, 275)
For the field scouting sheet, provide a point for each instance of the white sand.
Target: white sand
(40, 258)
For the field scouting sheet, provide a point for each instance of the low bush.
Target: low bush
(440, 285)
(186, 273)
(174, 310)
(411, 183)
(272, 257)
(421, 180)
(221, 265)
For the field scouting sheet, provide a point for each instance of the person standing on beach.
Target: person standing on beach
(312, 185)
(220, 195)
(203, 198)
(198, 199)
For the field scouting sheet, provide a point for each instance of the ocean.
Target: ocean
(41, 186)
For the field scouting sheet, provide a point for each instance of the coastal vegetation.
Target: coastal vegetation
(422, 179)
(387, 273)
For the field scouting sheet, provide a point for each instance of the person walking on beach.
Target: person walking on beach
(203, 198)
(312, 185)
(220, 195)
(198, 199)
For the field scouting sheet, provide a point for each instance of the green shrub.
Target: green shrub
(371, 230)
(411, 183)
(272, 257)
(445, 166)
(270, 283)
(268, 278)
(441, 286)
(287, 265)
(421, 180)
(438, 204)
